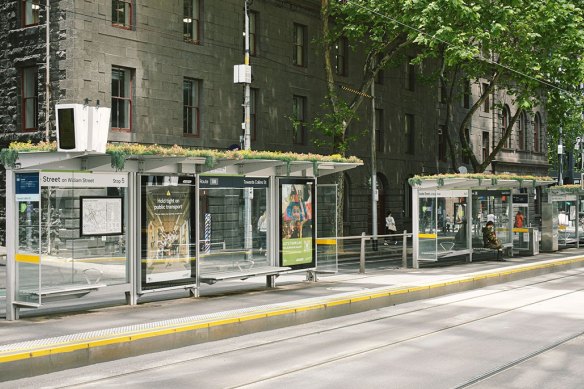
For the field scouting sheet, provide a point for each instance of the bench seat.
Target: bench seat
(242, 274)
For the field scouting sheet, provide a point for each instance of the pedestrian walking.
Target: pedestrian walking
(391, 228)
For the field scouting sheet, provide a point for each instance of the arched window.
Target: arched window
(521, 131)
(537, 133)
(505, 120)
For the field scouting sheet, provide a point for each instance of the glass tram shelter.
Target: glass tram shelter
(449, 214)
(563, 217)
(75, 225)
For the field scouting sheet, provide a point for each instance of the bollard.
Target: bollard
(405, 250)
(362, 256)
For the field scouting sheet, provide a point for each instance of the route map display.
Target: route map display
(101, 216)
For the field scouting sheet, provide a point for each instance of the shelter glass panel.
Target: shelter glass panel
(83, 229)
(326, 214)
(567, 221)
(495, 206)
(521, 221)
(234, 224)
(28, 265)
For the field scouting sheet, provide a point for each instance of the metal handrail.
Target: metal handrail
(363, 237)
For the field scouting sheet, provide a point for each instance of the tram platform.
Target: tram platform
(51, 339)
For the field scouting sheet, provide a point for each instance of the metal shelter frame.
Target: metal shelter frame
(136, 165)
(443, 186)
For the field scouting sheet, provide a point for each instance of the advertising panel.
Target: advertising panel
(297, 230)
(168, 231)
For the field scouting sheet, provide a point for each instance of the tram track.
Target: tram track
(393, 343)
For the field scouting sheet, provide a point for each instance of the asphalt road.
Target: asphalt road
(524, 334)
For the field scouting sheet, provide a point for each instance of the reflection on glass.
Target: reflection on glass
(67, 258)
(222, 225)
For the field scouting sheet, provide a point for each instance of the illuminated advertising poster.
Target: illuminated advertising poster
(168, 236)
(297, 243)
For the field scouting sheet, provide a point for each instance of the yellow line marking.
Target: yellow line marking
(338, 302)
(12, 356)
(520, 229)
(326, 241)
(28, 258)
(427, 236)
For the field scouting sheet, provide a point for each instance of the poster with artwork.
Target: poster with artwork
(297, 237)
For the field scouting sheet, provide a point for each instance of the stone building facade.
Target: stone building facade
(166, 69)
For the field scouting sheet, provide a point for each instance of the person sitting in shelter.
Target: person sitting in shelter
(490, 240)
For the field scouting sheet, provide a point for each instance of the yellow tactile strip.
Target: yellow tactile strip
(88, 340)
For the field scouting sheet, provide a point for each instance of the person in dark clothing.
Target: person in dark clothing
(491, 241)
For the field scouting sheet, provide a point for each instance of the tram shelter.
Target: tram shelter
(563, 217)
(449, 213)
(83, 222)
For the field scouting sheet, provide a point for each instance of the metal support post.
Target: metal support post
(11, 242)
(374, 193)
(405, 250)
(362, 256)
(132, 235)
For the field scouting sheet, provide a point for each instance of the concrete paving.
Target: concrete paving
(56, 338)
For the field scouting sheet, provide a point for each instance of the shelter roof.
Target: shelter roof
(477, 181)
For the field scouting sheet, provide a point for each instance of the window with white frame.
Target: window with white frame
(122, 98)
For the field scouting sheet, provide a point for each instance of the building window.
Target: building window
(485, 145)
(30, 12)
(300, 45)
(253, 118)
(487, 102)
(466, 94)
(122, 13)
(253, 33)
(410, 74)
(536, 133)
(192, 21)
(341, 57)
(299, 115)
(121, 99)
(521, 132)
(410, 133)
(192, 107)
(379, 130)
(30, 97)
(505, 120)
(442, 144)
(465, 155)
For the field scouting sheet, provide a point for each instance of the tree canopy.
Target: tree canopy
(532, 51)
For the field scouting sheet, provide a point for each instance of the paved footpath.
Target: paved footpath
(54, 340)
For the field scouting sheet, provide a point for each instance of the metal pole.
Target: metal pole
(47, 75)
(560, 160)
(247, 89)
(405, 250)
(11, 242)
(248, 192)
(362, 255)
(373, 169)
